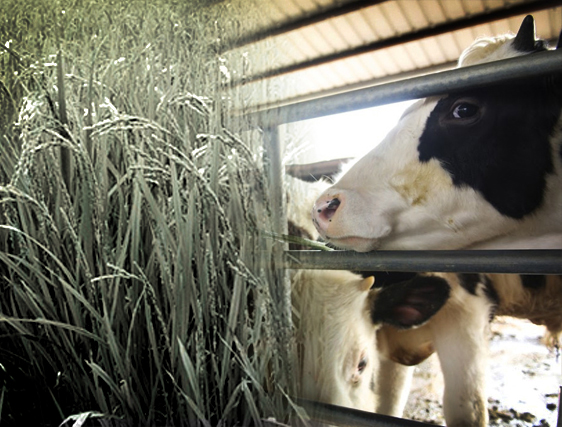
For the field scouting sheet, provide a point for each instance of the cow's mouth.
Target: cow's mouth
(356, 243)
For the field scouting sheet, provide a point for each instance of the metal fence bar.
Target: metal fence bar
(506, 70)
(460, 261)
(338, 415)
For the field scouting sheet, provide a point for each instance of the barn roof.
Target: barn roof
(292, 50)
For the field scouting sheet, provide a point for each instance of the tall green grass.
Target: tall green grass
(133, 273)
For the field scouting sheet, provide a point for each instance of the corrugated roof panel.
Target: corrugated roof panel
(346, 73)
(272, 13)
(555, 20)
(349, 30)
(413, 12)
(376, 18)
(306, 6)
(289, 8)
(500, 27)
(433, 50)
(473, 7)
(301, 46)
(453, 9)
(363, 29)
(368, 62)
(417, 53)
(335, 37)
(548, 24)
(360, 68)
(434, 12)
(493, 4)
(449, 47)
(393, 13)
(318, 40)
(373, 65)
(464, 38)
(397, 53)
(403, 58)
(387, 62)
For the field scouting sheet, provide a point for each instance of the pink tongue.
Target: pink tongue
(407, 315)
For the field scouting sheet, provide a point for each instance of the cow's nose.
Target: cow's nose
(323, 211)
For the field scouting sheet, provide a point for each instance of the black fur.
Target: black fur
(470, 282)
(525, 41)
(410, 303)
(533, 281)
(503, 150)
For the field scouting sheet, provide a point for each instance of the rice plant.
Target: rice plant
(137, 286)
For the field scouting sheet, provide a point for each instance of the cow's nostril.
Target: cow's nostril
(334, 203)
(329, 211)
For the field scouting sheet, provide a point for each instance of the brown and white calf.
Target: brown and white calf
(479, 168)
(336, 316)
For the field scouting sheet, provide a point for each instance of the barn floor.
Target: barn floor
(523, 382)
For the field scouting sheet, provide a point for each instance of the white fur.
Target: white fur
(333, 330)
(333, 333)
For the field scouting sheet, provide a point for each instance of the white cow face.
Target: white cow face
(336, 338)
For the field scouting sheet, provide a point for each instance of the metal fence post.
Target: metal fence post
(281, 289)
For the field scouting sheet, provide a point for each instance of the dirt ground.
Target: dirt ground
(524, 377)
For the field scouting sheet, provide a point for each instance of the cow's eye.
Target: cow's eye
(464, 110)
(362, 364)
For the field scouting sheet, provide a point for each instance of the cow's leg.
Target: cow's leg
(461, 342)
(399, 351)
(392, 387)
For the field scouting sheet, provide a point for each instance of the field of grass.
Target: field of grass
(132, 212)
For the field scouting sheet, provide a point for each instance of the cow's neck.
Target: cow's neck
(540, 241)
(541, 231)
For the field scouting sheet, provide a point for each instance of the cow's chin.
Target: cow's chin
(355, 243)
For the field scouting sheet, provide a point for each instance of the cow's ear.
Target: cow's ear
(524, 41)
(409, 303)
(366, 284)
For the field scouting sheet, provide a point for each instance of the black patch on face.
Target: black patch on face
(532, 281)
(410, 303)
(496, 141)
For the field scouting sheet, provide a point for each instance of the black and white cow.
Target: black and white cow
(481, 169)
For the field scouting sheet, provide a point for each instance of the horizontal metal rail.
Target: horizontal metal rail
(339, 415)
(540, 261)
(506, 70)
